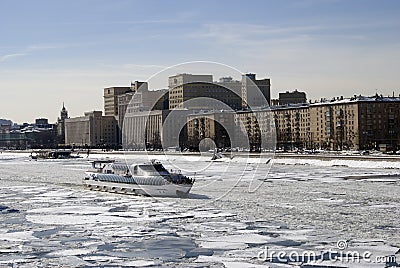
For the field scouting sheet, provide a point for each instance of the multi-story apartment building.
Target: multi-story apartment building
(215, 125)
(255, 129)
(92, 130)
(255, 92)
(138, 98)
(292, 125)
(203, 96)
(247, 130)
(359, 122)
(111, 99)
(156, 129)
(181, 79)
(123, 99)
(141, 100)
(355, 123)
(379, 123)
(201, 93)
(292, 97)
(123, 103)
(147, 100)
(143, 129)
(335, 125)
(234, 85)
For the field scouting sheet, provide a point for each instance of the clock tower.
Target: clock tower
(61, 124)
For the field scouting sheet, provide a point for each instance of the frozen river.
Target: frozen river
(334, 209)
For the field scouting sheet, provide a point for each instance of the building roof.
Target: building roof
(210, 112)
(357, 99)
(290, 106)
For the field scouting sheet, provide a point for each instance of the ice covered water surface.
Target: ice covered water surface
(48, 219)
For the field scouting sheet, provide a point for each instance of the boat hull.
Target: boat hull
(168, 190)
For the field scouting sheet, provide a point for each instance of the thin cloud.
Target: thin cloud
(248, 33)
(311, 3)
(43, 47)
(160, 21)
(11, 56)
(28, 51)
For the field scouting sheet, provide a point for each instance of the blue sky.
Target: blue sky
(54, 51)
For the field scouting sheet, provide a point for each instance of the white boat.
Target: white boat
(149, 179)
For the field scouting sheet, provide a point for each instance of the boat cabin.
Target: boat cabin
(100, 165)
(153, 169)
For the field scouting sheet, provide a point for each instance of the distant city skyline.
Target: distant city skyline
(57, 51)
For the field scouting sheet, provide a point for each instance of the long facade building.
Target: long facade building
(155, 129)
(143, 129)
(93, 129)
(356, 123)
(201, 93)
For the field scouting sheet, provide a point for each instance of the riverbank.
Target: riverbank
(277, 155)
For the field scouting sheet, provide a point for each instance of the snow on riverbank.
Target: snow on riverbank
(377, 163)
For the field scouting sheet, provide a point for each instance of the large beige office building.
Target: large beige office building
(92, 129)
(255, 92)
(155, 129)
(111, 99)
(203, 96)
(182, 79)
(199, 92)
(141, 100)
(143, 129)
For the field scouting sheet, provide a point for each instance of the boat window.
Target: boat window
(157, 168)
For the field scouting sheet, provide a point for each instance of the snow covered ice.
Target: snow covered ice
(48, 219)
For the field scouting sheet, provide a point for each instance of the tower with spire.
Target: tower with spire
(61, 124)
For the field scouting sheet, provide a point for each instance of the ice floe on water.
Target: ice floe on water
(49, 220)
(17, 236)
